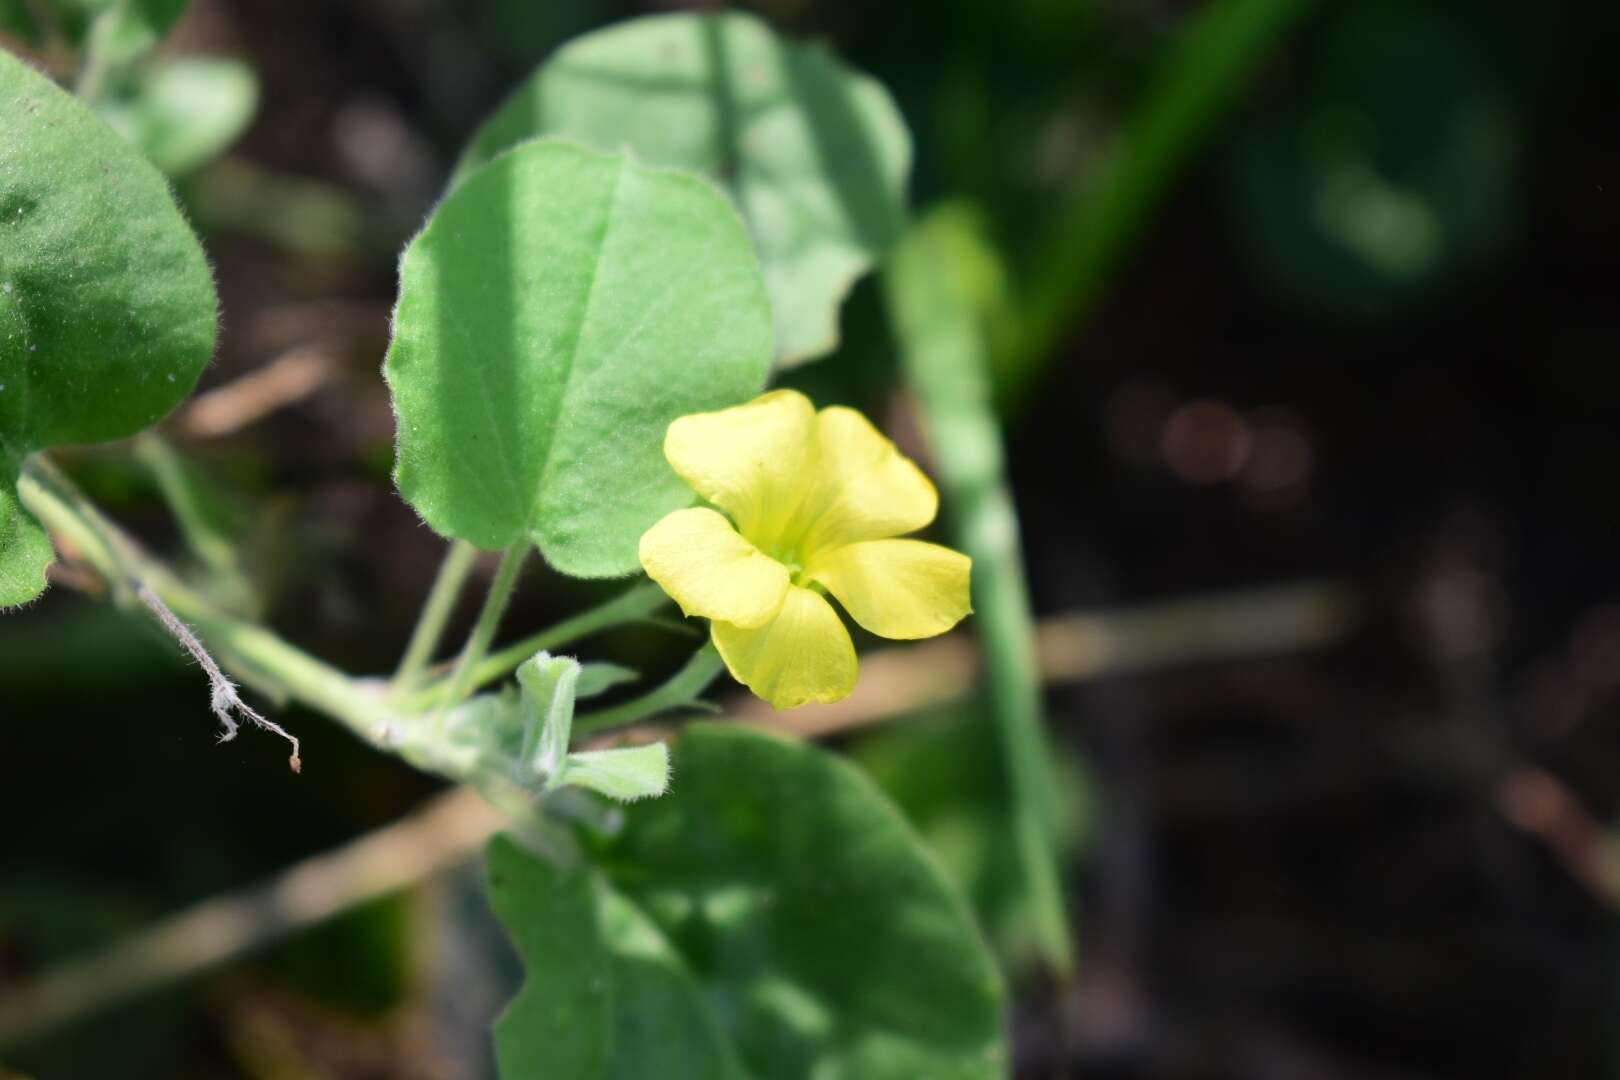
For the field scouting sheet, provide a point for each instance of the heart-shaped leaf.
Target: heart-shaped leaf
(815, 154)
(606, 995)
(107, 308)
(780, 881)
(561, 307)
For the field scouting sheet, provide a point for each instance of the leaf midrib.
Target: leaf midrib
(561, 400)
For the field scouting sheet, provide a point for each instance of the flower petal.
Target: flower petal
(868, 490)
(750, 460)
(898, 588)
(802, 655)
(698, 558)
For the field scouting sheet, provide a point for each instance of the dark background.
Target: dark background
(1367, 336)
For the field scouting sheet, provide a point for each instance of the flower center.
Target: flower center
(795, 568)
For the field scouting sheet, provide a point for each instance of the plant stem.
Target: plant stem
(180, 491)
(636, 602)
(489, 620)
(944, 354)
(436, 611)
(682, 689)
(97, 64)
(252, 653)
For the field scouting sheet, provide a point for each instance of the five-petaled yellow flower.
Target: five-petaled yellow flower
(815, 501)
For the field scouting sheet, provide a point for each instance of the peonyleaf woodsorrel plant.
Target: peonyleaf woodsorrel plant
(665, 212)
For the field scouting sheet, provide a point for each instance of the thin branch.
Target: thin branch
(294, 376)
(254, 654)
(1539, 803)
(1079, 648)
(489, 620)
(681, 691)
(440, 835)
(436, 612)
(635, 604)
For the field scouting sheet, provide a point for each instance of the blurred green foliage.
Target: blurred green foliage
(943, 767)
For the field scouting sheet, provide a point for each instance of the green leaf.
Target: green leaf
(815, 154)
(548, 687)
(107, 308)
(561, 307)
(184, 114)
(25, 550)
(599, 677)
(829, 943)
(943, 767)
(606, 995)
(628, 774)
(559, 1025)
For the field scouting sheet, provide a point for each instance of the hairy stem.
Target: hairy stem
(212, 547)
(489, 620)
(635, 603)
(253, 654)
(436, 611)
(680, 691)
(97, 65)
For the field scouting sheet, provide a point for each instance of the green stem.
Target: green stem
(97, 64)
(251, 653)
(681, 690)
(489, 620)
(181, 493)
(636, 602)
(436, 611)
(944, 354)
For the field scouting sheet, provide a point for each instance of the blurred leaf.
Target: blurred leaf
(561, 307)
(828, 942)
(606, 995)
(1393, 179)
(185, 113)
(944, 770)
(600, 677)
(107, 307)
(310, 217)
(814, 154)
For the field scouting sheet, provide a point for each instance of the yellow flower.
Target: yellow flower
(814, 501)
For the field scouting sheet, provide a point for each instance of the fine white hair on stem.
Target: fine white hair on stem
(223, 698)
